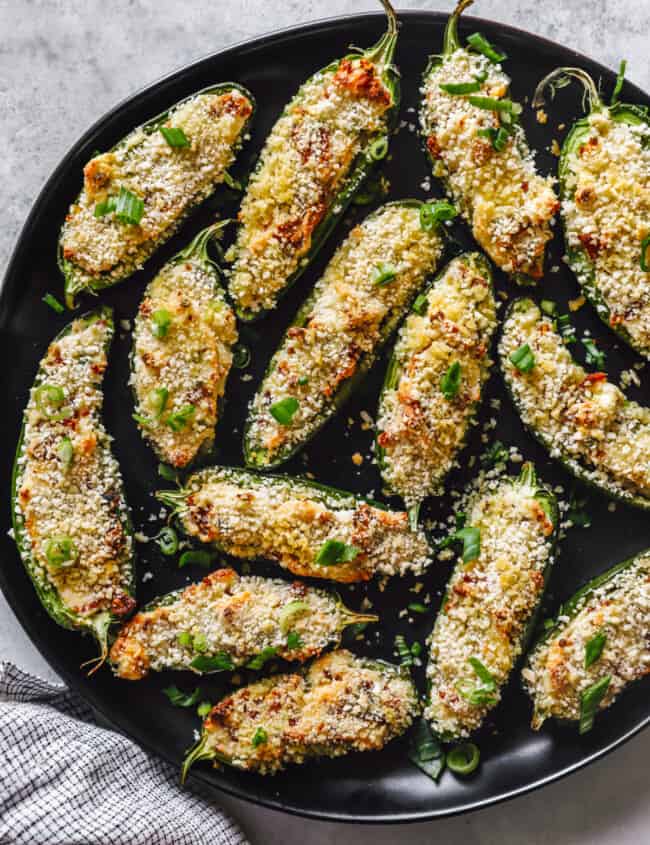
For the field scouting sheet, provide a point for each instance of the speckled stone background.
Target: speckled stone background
(62, 65)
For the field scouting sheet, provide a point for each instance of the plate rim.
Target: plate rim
(50, 654)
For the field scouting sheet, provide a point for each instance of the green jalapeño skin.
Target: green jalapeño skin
(323, 146)
(136, 195)
(70, 519)
(604, 175)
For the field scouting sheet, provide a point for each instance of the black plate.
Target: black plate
(380, 787)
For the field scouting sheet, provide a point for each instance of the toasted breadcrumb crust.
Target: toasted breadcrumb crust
(303, 167)
(169, 180)
(606, 212)
(580, 416)
(77, 496)
(251, 516)
(555, 675)
(508, 205)
(346, 323)
(488, 604)
(191, 362)
(420, 430)
(239, 616)
(341, 704)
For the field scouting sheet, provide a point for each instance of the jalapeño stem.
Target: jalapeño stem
(451, 41)
(197, 248)
(382, 52)
(197, 752)
(99, 626)
(591, 91)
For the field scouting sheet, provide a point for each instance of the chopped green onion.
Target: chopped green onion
(60, 551)
(497, 137)
(220, 662)
(199, 643)
(182, 699)
(335, 551)
(145, 422)
(174, 136)
(303, 380)
(49, 398)
(421, 303)
(203, 709)
(289, 612)
(241, 356)
(196, 558)
(523, 358)
(383, 274)
(548, 307)
(103, 208)
(493, 104)
(463, 759)
(480, 43)
(260, 659)
(233, 184)
(471, 539)
(434, 213)
(590, 702)
(496, 454)
(65, 452)
(418, 607)
(594, 355)
(565, 328)
(167, 541)
(416, 649)
(160, 323)
(594, 648)
(157, 400)
(482, 672)
(403, 651)
(425, 751)
(167, 472)
(378, 149)
(284, 409)
(259, 737)
(294, 641)
(456, 88)
(645, 246)
(129, 208)
(450, 382)
(179, 419)
(185, 639)
(620, 79)
(54, 303)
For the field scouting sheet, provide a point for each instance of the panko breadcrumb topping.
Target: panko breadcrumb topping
(508, 205)
(341, 704)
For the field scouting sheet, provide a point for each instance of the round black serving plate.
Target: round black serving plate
(382, 787)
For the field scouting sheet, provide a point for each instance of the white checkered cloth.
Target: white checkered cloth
(66, 781)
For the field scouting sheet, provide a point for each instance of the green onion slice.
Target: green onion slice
(463, 759)
(645, 246)
(203, 709)
(231, 183)
(167, 472)
(105, 207)
(284, 409)
(145, 422)
(497, 137)
(54, 303)
(167, 540)
(179, 419)
(259, 737)
(157, 400)
(383, 274)
(260, 659)
(471, 539)
(434, 213)
(160, 323)
(290, 612)
(220, 662)
(241, 356)
(335, 551)
(548, 307)
(594, 648)
(493, 104)
(294, 641)
(523, 358)
(129, 208)
(185, 639)
(594, 355)
(378, 149)
(199, 643)
(425, 751)
(417, 607)
(480, 43)
(456, 88)
(450, 382)
(182, 699)
(421, 304)
(65, 452)
(620, 79)
(174, 136)
(590, 702)
(403, 651)
(60, 551)
(303, 380)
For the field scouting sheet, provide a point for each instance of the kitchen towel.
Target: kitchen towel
(66, 781)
